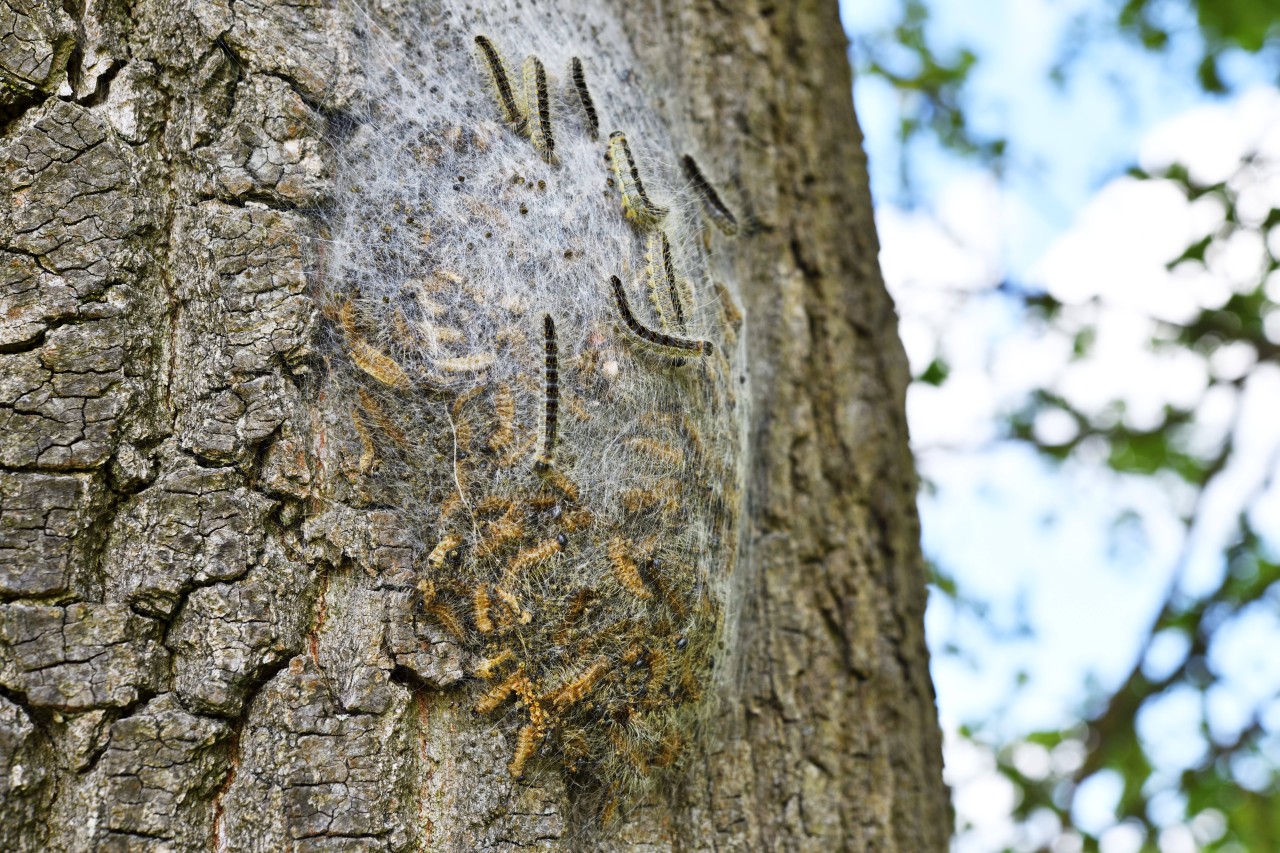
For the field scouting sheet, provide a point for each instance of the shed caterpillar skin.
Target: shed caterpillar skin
(368, 451)
(474, 363)
(711, 202)
(497, 69)
(381, 419)
(659, 339)
(538, 107)
(668, 455)
(636, 204)
(579, 78)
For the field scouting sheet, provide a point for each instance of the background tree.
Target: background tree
(210, 637)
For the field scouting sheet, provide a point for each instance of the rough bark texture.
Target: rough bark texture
(172, 674)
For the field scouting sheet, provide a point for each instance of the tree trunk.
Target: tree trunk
(309, 536)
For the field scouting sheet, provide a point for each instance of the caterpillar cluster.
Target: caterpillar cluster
(481, 278)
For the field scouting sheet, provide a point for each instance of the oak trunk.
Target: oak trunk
(217, 631)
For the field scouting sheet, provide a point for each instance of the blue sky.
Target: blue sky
(1070, 563)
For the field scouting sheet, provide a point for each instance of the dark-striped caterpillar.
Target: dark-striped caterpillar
(658, 339)
(715, 207)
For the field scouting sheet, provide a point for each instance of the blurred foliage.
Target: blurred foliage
(1229, 798)
(1223, 25)
(928, 83)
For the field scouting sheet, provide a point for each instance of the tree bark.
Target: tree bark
(214, 628)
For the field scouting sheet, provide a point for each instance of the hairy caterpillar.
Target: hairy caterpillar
(643, 332)
(636, 203)
(552, 404)
(716, 209)
(507, 105)
(579, 78)
(538, 107)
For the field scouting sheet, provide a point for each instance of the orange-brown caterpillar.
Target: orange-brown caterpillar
(480, 613)
(552, 404)
(625, 568)
(504, 409)
(653, 449)
(572, 692)
(584, 96)
(538, 106)
(652, 336)
(488, 667)
(502, 85)
(536, 554)
(496, 695)
(377, 364)
(636, 204)
(716, 209)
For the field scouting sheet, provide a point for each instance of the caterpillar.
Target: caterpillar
(584, 96)
(643, 332)
(538, 107)
(625, 568)
(378, 364)
(716, 209)
(502, 85)
(661, 269)
(636, 204)
(552, 400)
(656, 279)
(572, 692)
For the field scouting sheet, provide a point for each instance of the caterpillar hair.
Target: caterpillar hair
(636, 203)
(537, 103)
(502, 85)
(547, 456)
(716, 209)
(645, 333)
(584, 96)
